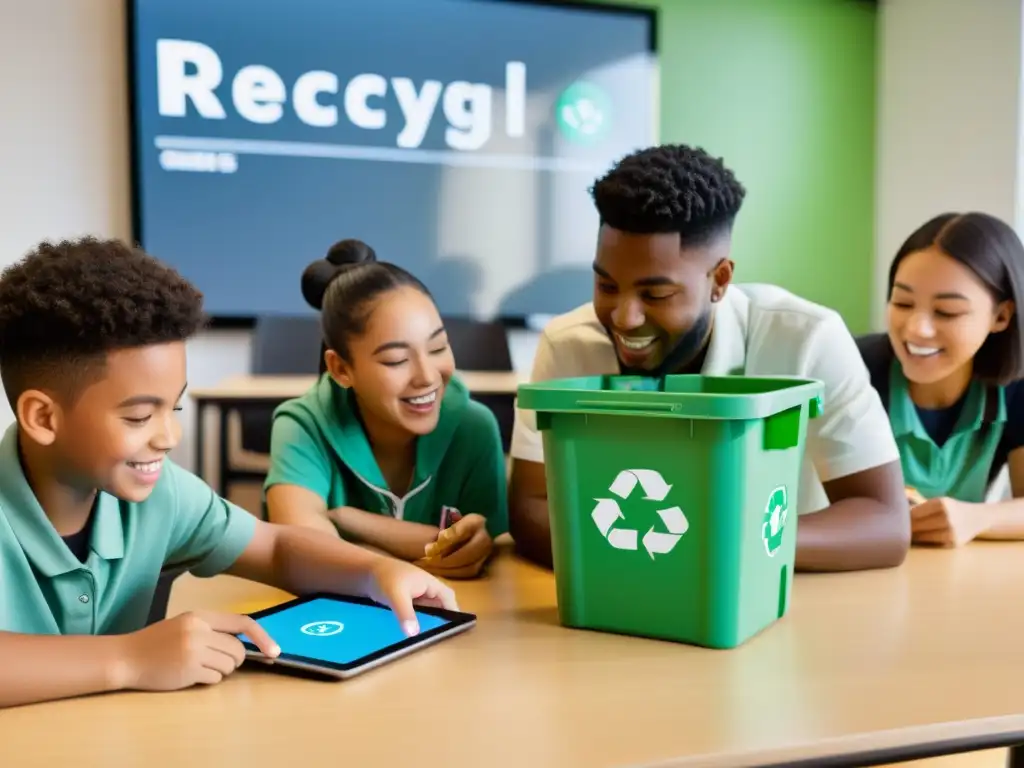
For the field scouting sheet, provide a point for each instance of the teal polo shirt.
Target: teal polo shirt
(960, 465)
(956, 451)
(45, 589)
(318, 443)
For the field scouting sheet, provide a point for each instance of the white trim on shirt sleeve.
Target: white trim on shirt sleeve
(853, 433)
(527, 443)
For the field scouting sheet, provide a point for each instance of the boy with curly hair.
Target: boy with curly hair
(92, 359)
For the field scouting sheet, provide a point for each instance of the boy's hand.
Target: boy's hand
(398, 585)
(192, 648)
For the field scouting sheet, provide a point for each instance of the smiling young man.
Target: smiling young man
(664, 303)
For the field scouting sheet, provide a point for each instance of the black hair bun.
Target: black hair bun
(318, 275)
(345, 252)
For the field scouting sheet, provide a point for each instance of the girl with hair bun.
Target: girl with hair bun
(387, 448)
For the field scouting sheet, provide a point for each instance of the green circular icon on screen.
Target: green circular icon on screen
(583, 113)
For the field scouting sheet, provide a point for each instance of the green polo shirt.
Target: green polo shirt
(318, 443)
(44, 589)
(961, 467)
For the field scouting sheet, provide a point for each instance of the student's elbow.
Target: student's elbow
(892, 516)
(892, 539)
(277, 505)
(516, 514)
(527, 487)
(519, 526)
(296, 506)
(528, 511)
(867, 525)
(896, 545)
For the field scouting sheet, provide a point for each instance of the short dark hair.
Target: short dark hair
(65, 306)
(671, 188)
(991, 249)
(344, 284)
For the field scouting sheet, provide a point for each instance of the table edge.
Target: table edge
(918, 742)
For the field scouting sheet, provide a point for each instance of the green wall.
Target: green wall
(784, 91)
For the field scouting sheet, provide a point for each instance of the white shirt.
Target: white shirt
(759, 330)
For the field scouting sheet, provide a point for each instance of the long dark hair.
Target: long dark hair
(991, 249)
(344, 284)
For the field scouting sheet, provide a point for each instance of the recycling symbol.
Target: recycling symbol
(774, 524)
(607, 514)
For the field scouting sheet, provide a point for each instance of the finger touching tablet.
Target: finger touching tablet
(343, 636)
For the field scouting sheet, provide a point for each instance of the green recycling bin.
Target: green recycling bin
(673, 500)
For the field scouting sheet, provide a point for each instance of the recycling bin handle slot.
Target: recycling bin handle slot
(628, 405)
(816, 406)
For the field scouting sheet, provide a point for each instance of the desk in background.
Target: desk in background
(868, 668)
(495, 389)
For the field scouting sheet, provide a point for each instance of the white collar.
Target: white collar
(727, 349)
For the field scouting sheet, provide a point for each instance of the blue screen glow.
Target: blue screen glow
(338, 632)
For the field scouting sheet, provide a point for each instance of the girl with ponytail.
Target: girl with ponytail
(387, 448)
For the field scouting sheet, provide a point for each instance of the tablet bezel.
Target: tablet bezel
(458, 621)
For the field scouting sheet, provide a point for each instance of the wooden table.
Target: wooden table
(868, 668)
(239, 392)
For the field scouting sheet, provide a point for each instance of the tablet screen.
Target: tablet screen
(338, 631)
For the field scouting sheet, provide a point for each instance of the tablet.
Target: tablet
(342, 636)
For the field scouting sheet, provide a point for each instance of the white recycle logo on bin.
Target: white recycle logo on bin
(608, 516)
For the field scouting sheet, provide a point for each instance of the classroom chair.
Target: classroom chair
(281, 346)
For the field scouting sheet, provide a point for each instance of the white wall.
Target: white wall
(64, 167)
(63, 170)
(948, 116)
(949, 122)
(64, 164)
(63, 132)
